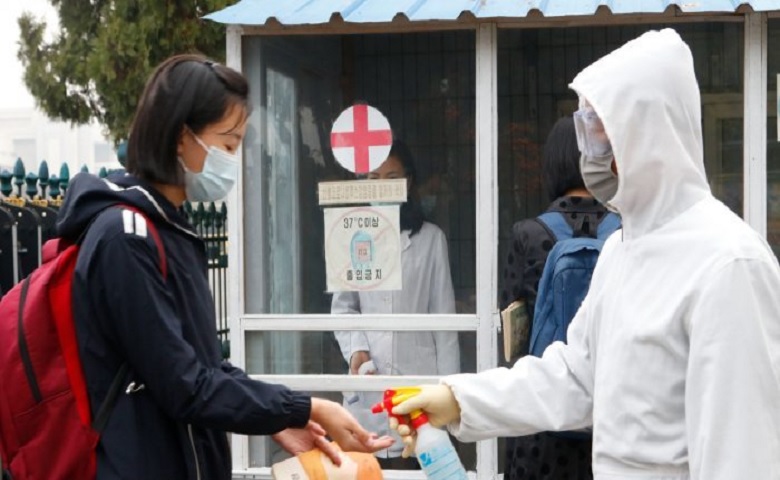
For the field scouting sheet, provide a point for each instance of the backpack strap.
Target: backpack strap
(101, 417)
(556, 225)
(609, 224)
(104, 412)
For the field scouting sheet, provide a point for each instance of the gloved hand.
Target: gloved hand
(407, 436)
(438, 403)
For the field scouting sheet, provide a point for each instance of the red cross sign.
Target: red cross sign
(361, 138)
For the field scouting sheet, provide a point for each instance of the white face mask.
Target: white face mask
(214, 182)
(599, 178)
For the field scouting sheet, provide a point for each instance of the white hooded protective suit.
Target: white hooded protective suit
(674, 356)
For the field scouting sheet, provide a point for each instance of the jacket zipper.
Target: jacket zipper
(194, 452)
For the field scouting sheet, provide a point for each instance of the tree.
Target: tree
(97, 65)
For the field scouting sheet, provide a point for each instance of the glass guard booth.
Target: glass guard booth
(473, 98)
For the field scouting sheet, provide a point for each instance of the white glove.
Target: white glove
(438, 403)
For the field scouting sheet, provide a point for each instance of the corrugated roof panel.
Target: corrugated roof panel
(441, 9)
(249, 12)
(318, 11)
(308, 12)
(380, 11)
(497, 8)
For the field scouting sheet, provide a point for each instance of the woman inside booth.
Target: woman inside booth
(426, 289)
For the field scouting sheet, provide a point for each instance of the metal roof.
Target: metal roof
(309, 12)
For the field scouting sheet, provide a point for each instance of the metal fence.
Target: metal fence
(28, 211)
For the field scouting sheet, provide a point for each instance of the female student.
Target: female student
(142, 301)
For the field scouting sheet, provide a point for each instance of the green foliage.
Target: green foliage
(98, 63)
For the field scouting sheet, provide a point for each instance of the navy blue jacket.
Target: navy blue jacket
(165, 329)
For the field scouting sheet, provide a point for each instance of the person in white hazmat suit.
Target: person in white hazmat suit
(674, 356)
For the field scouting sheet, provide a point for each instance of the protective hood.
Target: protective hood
(647, 96)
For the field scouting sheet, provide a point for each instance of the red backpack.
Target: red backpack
(46, 429)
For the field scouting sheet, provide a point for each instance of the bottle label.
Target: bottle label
(441, 462)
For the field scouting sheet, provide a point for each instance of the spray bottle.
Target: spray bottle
(434, 450)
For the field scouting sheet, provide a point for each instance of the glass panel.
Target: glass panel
(773, 138)
(264, 452)
(726, 177)
(535, 67)
(393, 353)
(424, 85)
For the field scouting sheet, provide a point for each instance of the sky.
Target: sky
(13, 93)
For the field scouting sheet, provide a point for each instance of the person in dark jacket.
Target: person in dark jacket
(545, 455)
(178, 398)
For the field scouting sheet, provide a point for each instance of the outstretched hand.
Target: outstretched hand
(300, 440)
(344, 429)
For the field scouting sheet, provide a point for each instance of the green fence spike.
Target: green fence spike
(225, 348)
(19, 173)
(103, 173)
(84, 169)
(64, 178)
(121, 153)
(6, 183)
(211, 215)
(32, 185)
(199, 216)
(43, 177)
(220, 220)
(43, 171)
(54, 182)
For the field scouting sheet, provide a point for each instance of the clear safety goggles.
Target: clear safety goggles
(591, 136)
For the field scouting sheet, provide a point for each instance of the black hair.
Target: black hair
(412, 217)
(561, 165)
(184, 90)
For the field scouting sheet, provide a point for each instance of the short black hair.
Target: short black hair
(184, 90)
(561, 166)
(412, 217)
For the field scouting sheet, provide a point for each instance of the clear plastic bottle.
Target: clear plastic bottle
(435, 452)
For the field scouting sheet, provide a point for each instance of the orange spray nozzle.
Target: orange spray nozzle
(392, 398)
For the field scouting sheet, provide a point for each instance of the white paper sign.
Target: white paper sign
(362, 191)
(363, 248)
